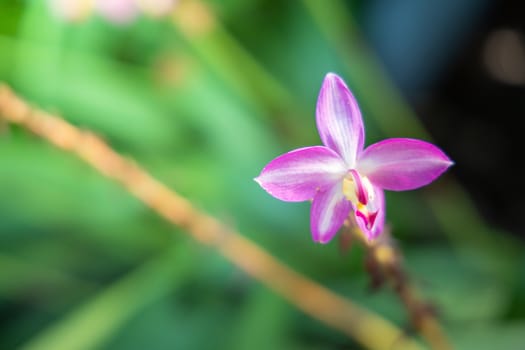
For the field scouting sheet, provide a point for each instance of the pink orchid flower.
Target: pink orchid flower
(343, 179)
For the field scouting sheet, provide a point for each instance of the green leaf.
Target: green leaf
(92, 324)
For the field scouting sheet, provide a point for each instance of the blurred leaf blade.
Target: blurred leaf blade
(107, 311)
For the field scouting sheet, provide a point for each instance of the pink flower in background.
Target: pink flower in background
(118, 11)
(343, 179)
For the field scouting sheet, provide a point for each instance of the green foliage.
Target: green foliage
(84, 265)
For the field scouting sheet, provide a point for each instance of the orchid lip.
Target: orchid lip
(368, 217)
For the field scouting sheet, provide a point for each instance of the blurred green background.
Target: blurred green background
(203, 99)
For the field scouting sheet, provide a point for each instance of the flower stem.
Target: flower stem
(385, 264)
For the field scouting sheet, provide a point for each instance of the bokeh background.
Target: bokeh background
(203, 95)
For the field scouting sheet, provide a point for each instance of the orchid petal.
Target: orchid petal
(339, 119)
(298, 175)
(372, 222)
(330, 208)
(402, 164)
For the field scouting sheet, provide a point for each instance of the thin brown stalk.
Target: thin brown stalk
(365, 326)
(385, 265)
